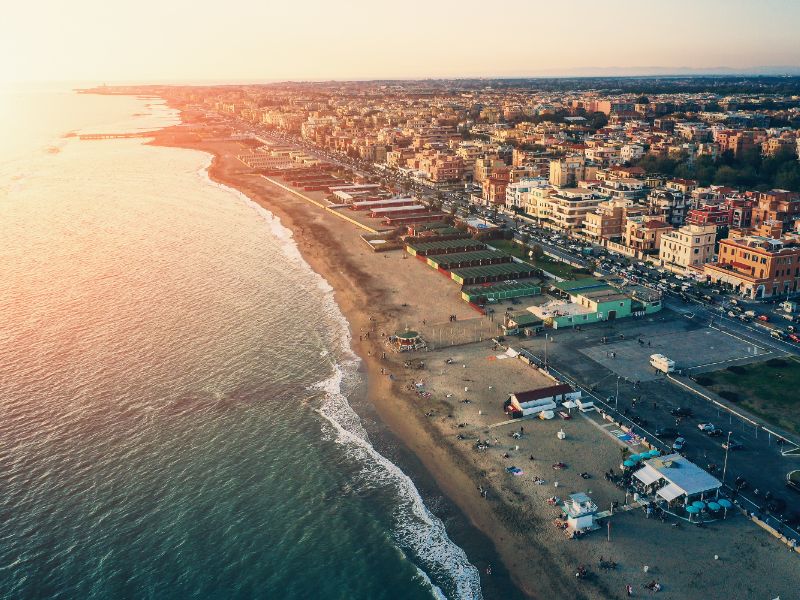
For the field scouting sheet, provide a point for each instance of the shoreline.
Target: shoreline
(416, 441)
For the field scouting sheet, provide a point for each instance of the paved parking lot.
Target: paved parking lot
(690, 349)
(581, 356)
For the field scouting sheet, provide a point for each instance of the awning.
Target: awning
(670, 492)
(647, 475)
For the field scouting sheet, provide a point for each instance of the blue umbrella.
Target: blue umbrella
(654, 452)
(725, 503)
(692, 510)
(699, 504)
(629, 464)
(713, 506)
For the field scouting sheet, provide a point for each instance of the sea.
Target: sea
(177, 387)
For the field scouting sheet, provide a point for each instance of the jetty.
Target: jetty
(113, 136)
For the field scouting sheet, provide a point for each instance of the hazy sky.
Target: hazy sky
(156, 40)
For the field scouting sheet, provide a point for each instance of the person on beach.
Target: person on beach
(629, 590)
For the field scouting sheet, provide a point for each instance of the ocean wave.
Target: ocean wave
(416, 529)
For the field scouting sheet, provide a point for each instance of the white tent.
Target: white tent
(670, 492)
(647, 475)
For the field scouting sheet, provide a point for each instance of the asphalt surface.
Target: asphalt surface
(761, 461)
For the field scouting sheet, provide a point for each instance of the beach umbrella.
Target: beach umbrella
(629, 463)
(713, 506)
(654, 453)
(634, 457)
(699, 504)
(725, 504)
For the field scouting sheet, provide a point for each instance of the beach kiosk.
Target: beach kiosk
(580, 510)
(408, 340)
(677, 481)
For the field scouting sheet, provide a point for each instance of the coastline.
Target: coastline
(434, 468)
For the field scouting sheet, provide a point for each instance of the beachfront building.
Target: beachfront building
(504, 290)
(676, 480)
(757, 266)
(580, 511)
(590, 301)
(522, 323)
(532, 402)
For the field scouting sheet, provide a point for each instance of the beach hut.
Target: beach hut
(580, 511)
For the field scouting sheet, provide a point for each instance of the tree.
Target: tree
(537, 252)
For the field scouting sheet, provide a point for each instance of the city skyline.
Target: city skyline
(149, 41)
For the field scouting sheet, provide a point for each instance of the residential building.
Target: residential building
(569, 207)
(643, 233)
(690, 246)
(757, 266)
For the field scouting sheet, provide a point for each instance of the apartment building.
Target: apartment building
(757, 266)
(669, 204)
(568, 171)
(643, 233)
(569, 207)
(777, 205)
(517, 192)
(607, 221)
(690, 246)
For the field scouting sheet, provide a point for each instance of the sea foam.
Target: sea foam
(416, 530)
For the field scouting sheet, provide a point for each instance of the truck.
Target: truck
(662, 363)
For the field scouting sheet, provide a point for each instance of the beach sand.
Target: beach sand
(381, 293)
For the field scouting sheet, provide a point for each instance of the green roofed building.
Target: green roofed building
(460, 260)
(443, 247)
(492, 292)
(491, 273)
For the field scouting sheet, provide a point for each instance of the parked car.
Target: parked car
(681, 412)
(706, 427)
(666, 432)
(678, 444)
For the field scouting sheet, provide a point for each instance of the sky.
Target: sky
(261, 40)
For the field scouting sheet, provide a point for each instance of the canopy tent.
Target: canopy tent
(647, 475)
(669, 492)
(699, 504)
(692, 510)
(629, 464)
(654, 452)
(714, 506)
(725, 503)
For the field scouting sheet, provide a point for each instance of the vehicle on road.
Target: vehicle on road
(678, 444)
(662, 363)
(778, 335)
(794, 337)
(763, 318)
(706, 427)
(714, 433)
(681, 412)
(732, 445)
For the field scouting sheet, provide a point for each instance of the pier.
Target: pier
(113, 136)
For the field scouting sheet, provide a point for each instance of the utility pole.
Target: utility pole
(727, 449)
(616, 397)
(545, 350)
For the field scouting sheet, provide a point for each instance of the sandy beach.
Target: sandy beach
(459, 401)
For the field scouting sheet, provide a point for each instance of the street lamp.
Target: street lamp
(727, 449)
(616, 397)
